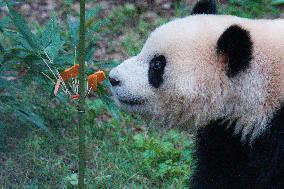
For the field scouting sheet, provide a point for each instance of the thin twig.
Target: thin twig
(63, 83)
(48, 67)
(48, 77)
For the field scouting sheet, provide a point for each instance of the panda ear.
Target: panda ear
(205, 7)
(236, 45)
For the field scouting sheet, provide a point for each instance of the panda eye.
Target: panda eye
(157, 65)
(156, 70)
(158, 62)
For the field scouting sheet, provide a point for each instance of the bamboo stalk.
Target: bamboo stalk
(81, 105)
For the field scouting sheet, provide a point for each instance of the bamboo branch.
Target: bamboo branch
(81, 105)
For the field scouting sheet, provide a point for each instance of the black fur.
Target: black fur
(205, 7)
(223, 162)
(156, 70)
(235, 43)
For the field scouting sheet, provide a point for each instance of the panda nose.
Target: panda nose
(114, 82)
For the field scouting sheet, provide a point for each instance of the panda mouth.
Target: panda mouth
(131, 102)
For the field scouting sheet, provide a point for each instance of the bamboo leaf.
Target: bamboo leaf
(73, 30)
(3, 3)
(23, 29)
(90, 50)
(3, 23)
(53, 49)
(90, 14)
(277, 2)
(50, 32)
(16, 108)
(99, 24)
(33, 118)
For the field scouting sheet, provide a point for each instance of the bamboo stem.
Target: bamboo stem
(81, 105)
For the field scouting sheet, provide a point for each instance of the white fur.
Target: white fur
(196, 88)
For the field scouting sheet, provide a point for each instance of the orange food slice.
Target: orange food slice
(101, 76)
(92, 82)
(70, 72)
(95, 78)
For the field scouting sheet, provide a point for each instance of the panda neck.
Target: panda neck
(255, 105)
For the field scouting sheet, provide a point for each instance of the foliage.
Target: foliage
(168, 157)
(118, 154)
(15, 106)
(13, 103)
(120, 17)
(277, 2)
(24, 52)
(249, 8)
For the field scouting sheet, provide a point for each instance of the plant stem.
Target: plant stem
(81, 105)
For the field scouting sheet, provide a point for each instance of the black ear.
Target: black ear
(235, 43)
(205, 7)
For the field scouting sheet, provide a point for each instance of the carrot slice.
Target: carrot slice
(92, 82)
(70, 72)
(101, 76)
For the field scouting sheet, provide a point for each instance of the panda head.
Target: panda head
(186, 70)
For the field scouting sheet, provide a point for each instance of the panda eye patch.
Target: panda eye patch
(156, 70)
(157, 65)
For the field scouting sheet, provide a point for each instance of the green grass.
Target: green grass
(250, 8)
(122, 152)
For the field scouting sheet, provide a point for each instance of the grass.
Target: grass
(122, 152)
(250, 8)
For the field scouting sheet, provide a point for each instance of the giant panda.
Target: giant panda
(222, 77)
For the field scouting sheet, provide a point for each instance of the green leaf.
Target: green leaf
(23, 28)
(53, 49)
(139, 140)
(33, 118)
(13, 106)
(1, 48)
(163, 169)
(2, 125)
(73, 30)
(277, 2)
(90, 50)
(3, 23)
(11, 2)
(149, 155)
(50, 38)
(91, 13)
(72, 179)
(50, 32)
(62, 98)
(18, 39)
(99, 24)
